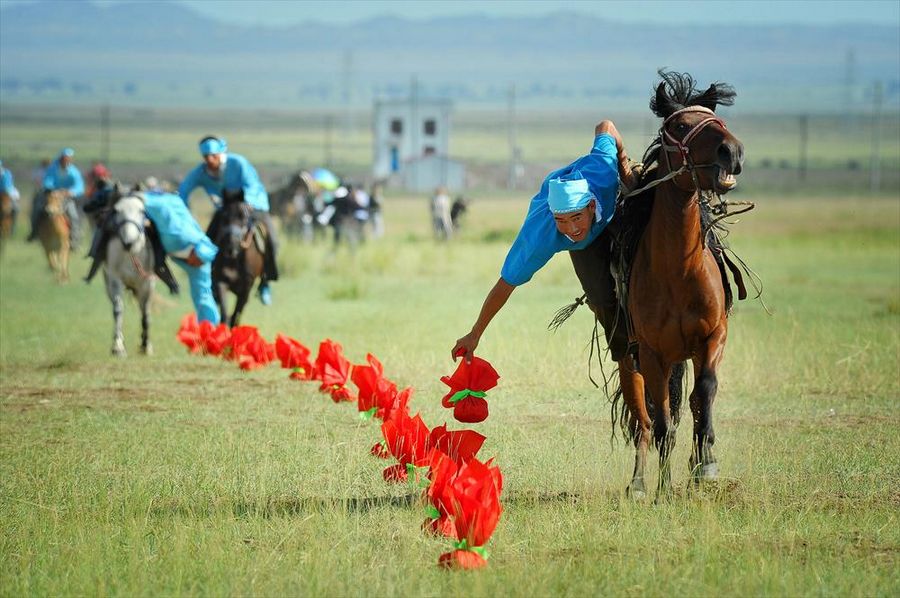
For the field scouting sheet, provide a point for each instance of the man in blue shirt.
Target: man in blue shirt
(8, 188)
(220, 172)
(569, 213)
(184, 240)
(63, 176)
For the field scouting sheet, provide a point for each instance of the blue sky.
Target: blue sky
(289, 12)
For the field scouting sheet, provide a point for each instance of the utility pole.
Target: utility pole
(875, 160)
(804, 139)
(347, 92)
(849, 90)
(104, 134)
(329, 126)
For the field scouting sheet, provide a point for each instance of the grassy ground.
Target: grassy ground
(175, 474)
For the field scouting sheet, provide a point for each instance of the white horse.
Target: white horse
(129, 265)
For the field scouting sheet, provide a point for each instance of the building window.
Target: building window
(429, 150)
(430, 126)
(396, 126)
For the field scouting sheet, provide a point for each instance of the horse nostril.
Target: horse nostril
(724, 155)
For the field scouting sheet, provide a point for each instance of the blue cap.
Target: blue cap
(568, 193)
(213, 145)
(67, 151)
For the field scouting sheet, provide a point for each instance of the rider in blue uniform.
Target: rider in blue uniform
(185, 241)
(222, 172)
(570, 213)
(61, 175)
(8, 186)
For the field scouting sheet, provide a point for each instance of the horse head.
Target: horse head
(693, 139)
(236, 220)
(128, 219)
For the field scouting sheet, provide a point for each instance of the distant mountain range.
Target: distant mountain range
(163, 53)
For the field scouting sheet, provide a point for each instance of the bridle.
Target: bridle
(668, 143)
(120, 221)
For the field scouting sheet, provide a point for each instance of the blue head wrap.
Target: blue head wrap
(67, 151)
(213, 146)
(568, 193)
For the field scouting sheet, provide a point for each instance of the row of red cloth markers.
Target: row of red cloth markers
(462, 493)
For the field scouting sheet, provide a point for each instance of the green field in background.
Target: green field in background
(163, 141)
(177, 474)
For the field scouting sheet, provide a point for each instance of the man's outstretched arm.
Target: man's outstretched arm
(496, 299)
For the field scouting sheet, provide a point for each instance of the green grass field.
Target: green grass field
(177, 474)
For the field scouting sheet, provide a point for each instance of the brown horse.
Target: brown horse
(241, 258)
(6, 218)
(677, 298)
(53, 231)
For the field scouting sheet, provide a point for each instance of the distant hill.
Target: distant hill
(163, 53)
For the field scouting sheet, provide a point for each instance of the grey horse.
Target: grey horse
(129, 265)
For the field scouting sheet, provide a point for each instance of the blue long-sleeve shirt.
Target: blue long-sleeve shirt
(176, 226)
(238, 174)
(69, 178)
(7, 184)
(539, 239)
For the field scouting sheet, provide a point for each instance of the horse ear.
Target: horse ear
(660, 104)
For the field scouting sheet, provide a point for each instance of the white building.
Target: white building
(412, 138)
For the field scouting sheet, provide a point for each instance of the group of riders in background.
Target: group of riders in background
(310, 203)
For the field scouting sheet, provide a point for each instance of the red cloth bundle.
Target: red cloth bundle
(372, 385)
(203, 337)
(472, 500)
(468, 387)
(407, 440)
(294, 356)
(249, 349)
(216, 340)
(189, 333)
(333, 370)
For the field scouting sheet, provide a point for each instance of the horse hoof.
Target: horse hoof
(147, 349)
(118, 350)
(707, 472)
(635, 492)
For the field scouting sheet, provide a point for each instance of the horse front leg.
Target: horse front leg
(633, 394)
(146, 296)
(239, 305)
(114, 289)
(656, 379)
(703, 463)
(219, 290)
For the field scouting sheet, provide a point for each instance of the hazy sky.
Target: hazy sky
(710, 11)
(288, 12)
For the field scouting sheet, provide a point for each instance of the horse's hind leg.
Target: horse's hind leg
(633, 394)
(703, 463)
(656, 378)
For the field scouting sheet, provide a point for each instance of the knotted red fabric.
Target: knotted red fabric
(294, 356)
(472, 500)
(333, 370)
(468, 387)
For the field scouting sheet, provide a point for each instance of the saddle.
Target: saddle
(104, 233)
(627, 228)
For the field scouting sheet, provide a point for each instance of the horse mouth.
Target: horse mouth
(725, 181)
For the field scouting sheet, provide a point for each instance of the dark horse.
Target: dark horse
(676, 291)
(242, 252)
(298, 205)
